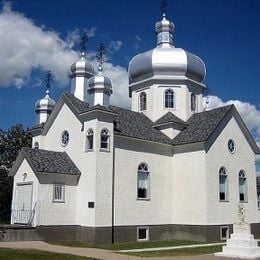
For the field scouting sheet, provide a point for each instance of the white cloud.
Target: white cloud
(114, 46)
(137, 40)
(250, 113)
(25, 46)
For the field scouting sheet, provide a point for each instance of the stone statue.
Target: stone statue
(241, 213)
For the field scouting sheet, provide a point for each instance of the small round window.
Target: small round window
(65, 138)
(231, 146)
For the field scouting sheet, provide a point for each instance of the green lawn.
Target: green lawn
(15, 254)
(133, 245)
(180, 252)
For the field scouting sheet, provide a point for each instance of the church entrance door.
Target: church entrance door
(23, 209)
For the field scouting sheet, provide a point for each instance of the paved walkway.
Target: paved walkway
(94, 252)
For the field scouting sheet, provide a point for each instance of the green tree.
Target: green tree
(11, 141)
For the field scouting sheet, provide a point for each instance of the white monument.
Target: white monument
(242, 243)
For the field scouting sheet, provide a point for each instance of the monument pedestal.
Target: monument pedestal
(241, 243)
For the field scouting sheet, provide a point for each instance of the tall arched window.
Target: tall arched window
(104, 139)
(193, 102)
(89, 140)
(143, 101)
(242, 186)
(169, 98)
(223, 184)
(143, 181)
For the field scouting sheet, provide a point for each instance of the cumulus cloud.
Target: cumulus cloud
(250, 113)
(25, 46)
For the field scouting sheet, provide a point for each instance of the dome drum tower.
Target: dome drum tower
(166, 67)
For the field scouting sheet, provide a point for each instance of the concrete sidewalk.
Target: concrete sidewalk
(94, 252)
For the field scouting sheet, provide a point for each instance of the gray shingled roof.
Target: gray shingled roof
(201, 126)
(169, 118)
(44, 161)
(81, 106)
(127, 123)
(134, 124)
(137, 125)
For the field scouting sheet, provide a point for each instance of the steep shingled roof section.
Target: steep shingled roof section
(201, 126)
(44, 161)
(77, 103)
(137, 125)
(83, 107)
(168, 118)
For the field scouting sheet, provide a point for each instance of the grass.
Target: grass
(15, 254)
(133, 245)
(180, 252)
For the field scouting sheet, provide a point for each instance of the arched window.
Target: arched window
(36, 145)
(223, 184)
(89, 140)
(104, 139)
(193, 102)
(169, 98)
(242, 186)
(143, 101)
(143, 181)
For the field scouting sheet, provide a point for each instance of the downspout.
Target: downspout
(113, 195)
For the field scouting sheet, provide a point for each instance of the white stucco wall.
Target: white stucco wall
(189, 188)
(57, 213)
(243, 158)
(128, 209)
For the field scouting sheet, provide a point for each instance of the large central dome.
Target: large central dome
(165, 60)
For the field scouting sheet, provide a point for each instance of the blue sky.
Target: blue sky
(39, 35)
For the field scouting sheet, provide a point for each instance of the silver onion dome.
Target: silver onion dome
(45, 104)
(165, 59)
(82, 67)
(100, 81)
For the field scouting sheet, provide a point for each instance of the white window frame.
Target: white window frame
(142, 101)
(242, 176)
(227, 235)
(105, 133)
(146, 171)
(173, 98)
(36, 145)
(89, 135)
(223, 172)
(62, 187)
(147, 234)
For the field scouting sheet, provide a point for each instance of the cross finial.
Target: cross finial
(49, 78)
(101, 51)
(164, 6)
(83, 42)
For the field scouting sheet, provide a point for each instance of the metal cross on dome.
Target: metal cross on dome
(83, 42)
(101, 51)
(164, 7)
(49, 78)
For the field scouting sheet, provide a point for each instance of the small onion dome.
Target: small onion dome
(165, 60)
(45, 104)
(82, 67)
(100, 81)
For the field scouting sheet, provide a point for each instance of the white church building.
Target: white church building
(167, 168)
